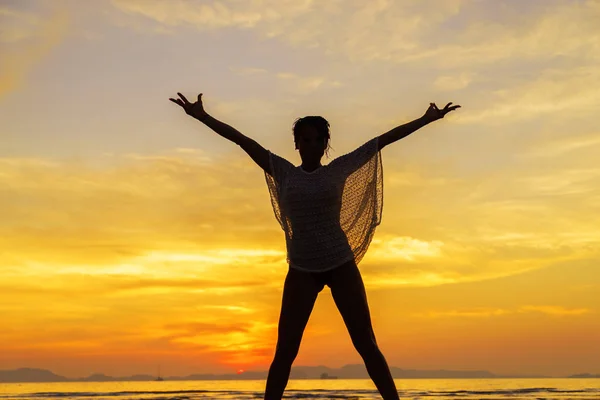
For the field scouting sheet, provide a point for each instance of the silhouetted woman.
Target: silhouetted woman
(329, 214)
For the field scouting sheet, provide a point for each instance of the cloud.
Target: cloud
(26, 39)
(509, 62)
(173, 216)
(112, 287)
(462, 257)
(236, 343)
(179, 252)
(306, 84)
(192, 207)
(165, 233)
(399, 32)
(245, 71)
(203, 15)
(405, 248)
(554, 93)
(17, 25)
(442, 225)
(563, 145)
(193, 328)
(290, 81)
(483, 312)
(576, 180)
(484, 42)
(232, 309)
(452, 82)
(472, 313)
(558, 311)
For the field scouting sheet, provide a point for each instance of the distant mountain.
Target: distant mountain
(585, 375)
(30, 375)
(99, 378)
(352, 371)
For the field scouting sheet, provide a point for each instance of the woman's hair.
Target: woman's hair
(317, 122)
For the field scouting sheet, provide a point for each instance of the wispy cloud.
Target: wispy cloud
(561, 146)
(245, 71)
(471, 313)
(452, 82)
(558, 311)
(405, 248)
(25, 39)
(203, 15)
(483, 312)
(552, 94)
(205, 230)
(333, 26)
(306, 84)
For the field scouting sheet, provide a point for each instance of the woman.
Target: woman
(329, 214)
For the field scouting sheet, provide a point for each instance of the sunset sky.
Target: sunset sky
(132, 235)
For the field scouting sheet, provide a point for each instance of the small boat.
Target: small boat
(159, 378)
(325, 375)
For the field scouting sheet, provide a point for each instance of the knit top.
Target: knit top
(328, 215)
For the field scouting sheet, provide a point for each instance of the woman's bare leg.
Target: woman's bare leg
(349, 294)
(299, 294)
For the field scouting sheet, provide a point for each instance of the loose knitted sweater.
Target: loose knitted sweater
(328, 215)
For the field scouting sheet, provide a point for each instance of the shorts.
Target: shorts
(326, 277)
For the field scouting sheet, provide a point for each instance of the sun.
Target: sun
(240, 371)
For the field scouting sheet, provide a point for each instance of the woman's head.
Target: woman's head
(311, 136)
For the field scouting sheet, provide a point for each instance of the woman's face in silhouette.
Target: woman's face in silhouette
(310, 144)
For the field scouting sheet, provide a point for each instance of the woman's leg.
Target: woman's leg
(350, 298)
(299, 294)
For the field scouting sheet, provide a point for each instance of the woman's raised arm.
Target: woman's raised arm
(258, 153)
(433, 113)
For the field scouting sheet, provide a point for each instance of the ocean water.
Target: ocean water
(434, 389)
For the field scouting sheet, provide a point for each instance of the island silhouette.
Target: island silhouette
(351, 371)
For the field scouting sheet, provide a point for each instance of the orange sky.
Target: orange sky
(132, 236)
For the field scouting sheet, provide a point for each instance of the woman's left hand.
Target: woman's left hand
(433, 113)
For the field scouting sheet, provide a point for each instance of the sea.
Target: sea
(308, 389)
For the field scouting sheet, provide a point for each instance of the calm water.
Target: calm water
(434, 389)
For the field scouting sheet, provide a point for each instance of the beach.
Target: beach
(363, 389)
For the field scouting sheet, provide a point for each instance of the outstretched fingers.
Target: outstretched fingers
(448, 108)
(182, 100)
(177, 101)
(185, 101)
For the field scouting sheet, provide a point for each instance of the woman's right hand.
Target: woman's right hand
(195, 110)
